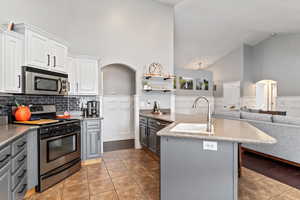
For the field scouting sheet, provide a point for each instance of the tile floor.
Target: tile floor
(134, 175)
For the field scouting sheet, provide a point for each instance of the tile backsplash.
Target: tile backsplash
(63, 103)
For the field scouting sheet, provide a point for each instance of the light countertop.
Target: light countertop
(11, 131)
(224, 130)
(86, 118)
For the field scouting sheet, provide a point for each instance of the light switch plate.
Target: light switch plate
(209, 145)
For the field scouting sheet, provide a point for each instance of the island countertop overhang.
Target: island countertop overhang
(224, 129)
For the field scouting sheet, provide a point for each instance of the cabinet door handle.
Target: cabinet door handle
(77, 87)
(161, 124)
(22, 159)
(48, 56)
(23, 188)
(21, 145)
(19, 79)
(23, 173)
(54, 61)
(7, 156)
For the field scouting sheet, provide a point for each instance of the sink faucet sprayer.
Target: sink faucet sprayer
(209, 119)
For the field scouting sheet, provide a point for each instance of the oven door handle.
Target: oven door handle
(61, 136)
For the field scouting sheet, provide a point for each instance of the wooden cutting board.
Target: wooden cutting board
(37, 122)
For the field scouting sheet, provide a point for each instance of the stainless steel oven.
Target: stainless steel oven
(38, 81)
(59, 152)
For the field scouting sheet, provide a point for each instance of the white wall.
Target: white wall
(118, 80)
(52, 16)
(131, 32)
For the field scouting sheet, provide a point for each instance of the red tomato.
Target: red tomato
(22, 113)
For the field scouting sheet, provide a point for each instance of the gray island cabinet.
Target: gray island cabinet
(199, 166)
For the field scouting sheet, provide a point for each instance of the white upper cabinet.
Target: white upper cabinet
(87, 76)
(43, 50)
(71, 65)
(13, 61)
(83, 76)
(58, 58)
(37, 50)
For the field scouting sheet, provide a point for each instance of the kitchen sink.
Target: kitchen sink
(192, 128)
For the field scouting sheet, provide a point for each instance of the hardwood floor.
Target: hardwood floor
(134, 175)
(282, 172)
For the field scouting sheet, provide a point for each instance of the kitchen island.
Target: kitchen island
(201, 166)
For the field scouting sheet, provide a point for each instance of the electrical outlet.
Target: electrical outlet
(208, 145)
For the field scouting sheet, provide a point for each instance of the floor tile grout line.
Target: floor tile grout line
(115, 190)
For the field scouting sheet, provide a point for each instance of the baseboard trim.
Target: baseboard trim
(118, 145)
(271, 157)
(91, 161)
(29, 193)
(150, 153)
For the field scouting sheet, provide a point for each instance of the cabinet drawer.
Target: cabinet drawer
(20, 190)
(19, 160)
(19, 145)
(93, 124)
(157, 124)
(5, 154)
(18, 176)
(143, 120)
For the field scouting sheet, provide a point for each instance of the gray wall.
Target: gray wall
(278, 58)
(189, 73)
(227, 69)
(118, 80)
(250, 72)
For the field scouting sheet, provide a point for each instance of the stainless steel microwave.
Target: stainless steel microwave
(43, 82)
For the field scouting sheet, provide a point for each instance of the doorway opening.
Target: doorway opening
(118, 90)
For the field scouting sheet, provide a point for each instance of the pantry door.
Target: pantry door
(119, 118)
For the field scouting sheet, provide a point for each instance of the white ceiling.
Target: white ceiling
(206, 30)
(170, 2)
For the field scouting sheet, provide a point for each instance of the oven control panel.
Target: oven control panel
(59, 129)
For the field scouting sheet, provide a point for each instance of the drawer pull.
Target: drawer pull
(21, 145)
(7, 156)
(23, 173)
(161, 124)
(22, 159)
(23, 188)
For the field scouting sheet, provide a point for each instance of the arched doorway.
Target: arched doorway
(118, 90)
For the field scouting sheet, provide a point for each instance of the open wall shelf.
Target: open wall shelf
(157, 90)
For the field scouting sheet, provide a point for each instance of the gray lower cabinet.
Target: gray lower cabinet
(13, 169)
(152, 137)
(5, 179)
(143, 135)
(148, 133)
(91, 139)
(32, 159)
(93, 144)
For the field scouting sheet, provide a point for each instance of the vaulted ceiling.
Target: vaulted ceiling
(206, 30)
(170, 2)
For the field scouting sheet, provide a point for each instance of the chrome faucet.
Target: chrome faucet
(209, 119)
